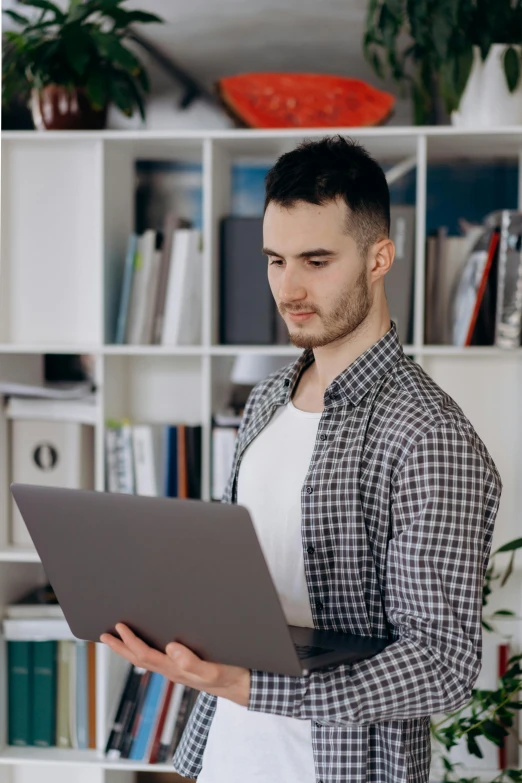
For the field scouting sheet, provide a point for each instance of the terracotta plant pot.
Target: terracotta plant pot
(55, 107)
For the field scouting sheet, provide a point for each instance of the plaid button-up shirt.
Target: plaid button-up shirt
(399, 505)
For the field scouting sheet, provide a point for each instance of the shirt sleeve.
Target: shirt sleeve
(444, 501)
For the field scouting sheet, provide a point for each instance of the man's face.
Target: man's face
(333, 286)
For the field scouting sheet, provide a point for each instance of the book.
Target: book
(83, 411)
(126, 287)
(91, 672)
(151, 755)
(182, 315)
(151, 286)
(148, 455)
(170, 722)
(124, 714)
(193, 436)
(223, 445)
(150, 707)
(172, 222)
(39, 601)
(470, 287)
(399, 281)
(182, 462)
(66, 649)
(36, 629)
(82, 695)
(19, 689)
(171, 462)
(119, 464)
(508, 314)
(143, 263)
(135, 715)
(246, 306)
(43, 703)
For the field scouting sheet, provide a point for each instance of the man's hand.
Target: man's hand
(180, 664)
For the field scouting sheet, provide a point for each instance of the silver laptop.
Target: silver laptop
(189, 571)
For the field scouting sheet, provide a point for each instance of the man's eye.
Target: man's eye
(318, 264)
(275, 261)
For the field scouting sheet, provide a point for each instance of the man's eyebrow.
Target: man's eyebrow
(319, 251)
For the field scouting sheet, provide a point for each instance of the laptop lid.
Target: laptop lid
(171, 569)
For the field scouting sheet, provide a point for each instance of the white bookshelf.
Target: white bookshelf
(67, 209)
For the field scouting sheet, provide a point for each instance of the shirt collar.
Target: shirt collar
(353, 383)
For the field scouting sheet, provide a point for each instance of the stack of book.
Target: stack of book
(474, 284)
(151, 715)
(224, 433)
(153, 459)
(51, 676)
(160, 297)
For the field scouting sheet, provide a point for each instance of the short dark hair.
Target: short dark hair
(322, 170)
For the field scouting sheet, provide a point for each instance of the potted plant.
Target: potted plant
(465, 51)
(492, 712)
(74, 62)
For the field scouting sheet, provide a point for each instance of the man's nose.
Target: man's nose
(291, 288)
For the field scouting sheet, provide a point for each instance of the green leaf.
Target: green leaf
(515, 544)
(511, 68)
(96, 89)
(463, 65)
(18, 18)
(78, 47)
(473, 748)
(441, 31)
(504, 613)
(46, 5)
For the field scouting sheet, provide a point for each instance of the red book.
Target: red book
(159, 726)
(503, 657)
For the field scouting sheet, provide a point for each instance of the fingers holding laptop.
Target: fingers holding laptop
(180, 664)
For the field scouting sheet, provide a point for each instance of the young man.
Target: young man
(374, 501)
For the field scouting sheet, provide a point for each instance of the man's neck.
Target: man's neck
(332, 359)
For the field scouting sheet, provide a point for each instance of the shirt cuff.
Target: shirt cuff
(276, 693)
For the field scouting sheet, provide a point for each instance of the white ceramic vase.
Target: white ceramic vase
(486, 101)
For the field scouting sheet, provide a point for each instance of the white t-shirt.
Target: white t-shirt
(244, 746)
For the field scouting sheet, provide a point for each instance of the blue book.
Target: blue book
(44, 693)
(82, 695)
(126, 287)
(148, 716)
(171, 462)
(20, 692)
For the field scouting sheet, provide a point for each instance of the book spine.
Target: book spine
(63, 734)
(135, 714)
(44, 694)
(152, 752)
(121, 323)
(194, 464)
(171, 462)
(19, 686)
(82, 694)
(119, 718)
(503, 654)
(170, 721)
(91, 668)
(148, 713)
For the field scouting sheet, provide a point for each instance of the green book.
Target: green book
(44, 694)
(19, 685)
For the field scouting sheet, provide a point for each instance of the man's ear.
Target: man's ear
(382, 254)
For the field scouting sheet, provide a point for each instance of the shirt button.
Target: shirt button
(310, 550)
(319, 604)
(309, 490)
(323, 437)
